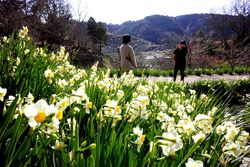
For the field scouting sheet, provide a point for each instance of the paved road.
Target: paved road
(193, 78)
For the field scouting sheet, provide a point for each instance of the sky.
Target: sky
(119, 11)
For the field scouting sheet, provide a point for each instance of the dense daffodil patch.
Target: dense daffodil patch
(60, 115)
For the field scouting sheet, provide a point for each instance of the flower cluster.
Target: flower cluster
(236, 140)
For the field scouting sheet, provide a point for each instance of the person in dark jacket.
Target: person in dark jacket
(180, 53)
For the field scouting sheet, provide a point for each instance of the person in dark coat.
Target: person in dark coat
(180, 53)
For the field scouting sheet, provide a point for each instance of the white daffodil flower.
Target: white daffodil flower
(194, 163)
(170, 143)
(37, 113)
(3, 92)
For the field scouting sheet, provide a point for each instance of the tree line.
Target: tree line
(51, 25)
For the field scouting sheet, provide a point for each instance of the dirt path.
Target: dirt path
(193, 78)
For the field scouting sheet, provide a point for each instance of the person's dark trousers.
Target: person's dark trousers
(182, 74)
(175, 72)
(180, 67)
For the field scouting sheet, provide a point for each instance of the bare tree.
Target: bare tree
(81, 11)
(236, 22)
(49, 20)
(202, 48)
(240, 23)
(12, 16)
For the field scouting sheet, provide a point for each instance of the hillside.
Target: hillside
(159, 32)
(154, 37)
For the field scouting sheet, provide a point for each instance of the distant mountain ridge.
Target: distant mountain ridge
(158, 32)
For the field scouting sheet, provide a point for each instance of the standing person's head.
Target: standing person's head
(126, 38)
(183, 42)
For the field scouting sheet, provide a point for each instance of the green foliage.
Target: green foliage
(236, 91)
(96, 31)
(22, 68)
(238, 70)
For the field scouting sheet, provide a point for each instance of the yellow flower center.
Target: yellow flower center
(142, 138)
(40, 117)
(90, 104)
(64, 104)
(118, 109)
(59, 115)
